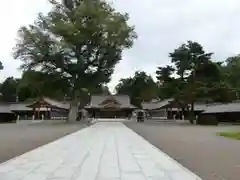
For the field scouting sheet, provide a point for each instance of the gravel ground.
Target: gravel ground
(16, 139)
(196, 147)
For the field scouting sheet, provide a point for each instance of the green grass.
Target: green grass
(232, 135)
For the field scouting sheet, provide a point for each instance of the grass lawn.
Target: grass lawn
(232, 135)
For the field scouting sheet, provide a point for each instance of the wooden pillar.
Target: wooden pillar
(166, 113)
(38, 113)
(178, 114)
(171, 113)
(34, 113)
(46, 113)
(49, 114)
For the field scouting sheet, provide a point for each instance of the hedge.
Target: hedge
(206, 119)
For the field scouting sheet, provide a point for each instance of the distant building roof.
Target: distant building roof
(19, 107)
(204, 106)
(55, 103)
(223, 108)
(156, 104)
(59, 104)
(155, 100)
(160, 104)
(97, 100)
(4, 108)
(11, 107)
(200, 107)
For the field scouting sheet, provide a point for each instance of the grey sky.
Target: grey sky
(161, 25)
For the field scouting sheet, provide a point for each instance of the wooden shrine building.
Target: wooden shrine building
(110, 106)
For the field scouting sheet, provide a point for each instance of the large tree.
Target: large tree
(1, 66)
(168, 84)
(140, 87)
(81, 43)
(188, 57)
(34, 84)
(231, 72)
(164, 74)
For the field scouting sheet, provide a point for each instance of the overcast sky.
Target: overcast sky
(161, 26)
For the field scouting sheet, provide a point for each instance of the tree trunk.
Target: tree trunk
(192, 116)
(73, 112)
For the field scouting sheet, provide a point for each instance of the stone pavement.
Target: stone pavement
(104, 151)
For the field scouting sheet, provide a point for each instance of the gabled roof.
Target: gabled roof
(223, 108)
(59, 104)
(97, 100)
(55, 103)
(110, 100)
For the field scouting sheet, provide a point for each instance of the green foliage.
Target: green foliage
(200, 79)
(140, 87)
(164, 74)
(69, 4)
(191, 61)
(8, 90)
(232, 135)
(35, 84)
(79, 42)
(1, 66)
(222, 92)
(188, 57)
(168, 86)
(206, 119)
(231, 73)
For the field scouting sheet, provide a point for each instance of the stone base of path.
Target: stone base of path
(104, 151)
(95, 120)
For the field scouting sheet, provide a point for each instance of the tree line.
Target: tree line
(35, 84)
(71, 52)
(191, 76)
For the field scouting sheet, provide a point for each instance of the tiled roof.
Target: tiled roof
(161, 104)
(4, 108)
(54, 103)
(123, 100)
(11, 107)
(200, 107)
(59, 104)
(157, 104)
(19, 107)
(222, 108)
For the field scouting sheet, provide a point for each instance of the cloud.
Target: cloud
(161, 26)
(14, 14)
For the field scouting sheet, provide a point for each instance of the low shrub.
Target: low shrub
(206, 119)
(191, 118)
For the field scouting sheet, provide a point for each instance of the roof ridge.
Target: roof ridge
(109, 95)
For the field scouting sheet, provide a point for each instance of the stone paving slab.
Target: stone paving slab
(104, 151)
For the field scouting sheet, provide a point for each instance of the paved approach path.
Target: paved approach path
(104, 151)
